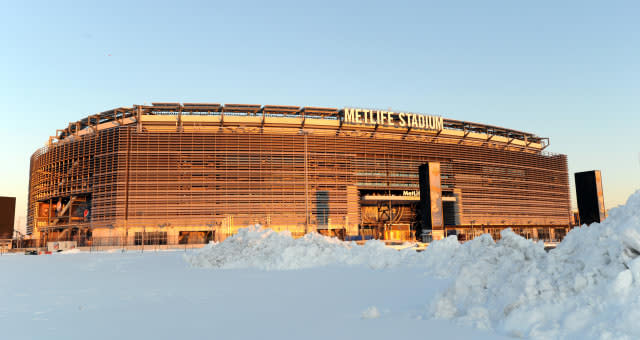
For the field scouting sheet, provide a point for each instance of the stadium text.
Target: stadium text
(395, 119)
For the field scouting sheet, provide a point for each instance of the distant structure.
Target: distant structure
(590, 197)
(7, 217)
(195, 172)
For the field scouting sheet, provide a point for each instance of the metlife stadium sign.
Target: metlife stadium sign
(392, 119)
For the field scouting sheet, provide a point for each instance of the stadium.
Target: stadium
(194, 172)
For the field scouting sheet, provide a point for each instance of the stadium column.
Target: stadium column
(308, 227)
(126, 189)
(431, 219)
(139, 118)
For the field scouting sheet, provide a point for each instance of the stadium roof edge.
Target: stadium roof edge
(121, 113)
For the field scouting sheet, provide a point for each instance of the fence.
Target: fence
(157, 240)
(136, 241)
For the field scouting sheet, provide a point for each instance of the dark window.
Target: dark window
(322, 207)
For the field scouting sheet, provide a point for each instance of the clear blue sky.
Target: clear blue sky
(565, 70)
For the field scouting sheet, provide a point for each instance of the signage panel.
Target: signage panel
(392, 119)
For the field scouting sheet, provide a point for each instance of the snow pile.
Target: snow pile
(589, 286)
(70, 251)
(371, 313)
(266, 249)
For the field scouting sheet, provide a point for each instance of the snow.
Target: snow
(260, 283)
(588, 287)
(156, 295)
(265, 249)
(371, 313)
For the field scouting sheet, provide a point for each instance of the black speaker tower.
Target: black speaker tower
(430, 207)
(590, 197)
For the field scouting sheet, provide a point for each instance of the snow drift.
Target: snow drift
(266, 249)
(588, 287)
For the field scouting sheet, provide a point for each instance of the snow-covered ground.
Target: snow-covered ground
(265, 284)
(159, 296)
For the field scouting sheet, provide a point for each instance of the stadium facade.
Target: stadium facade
(201, 171)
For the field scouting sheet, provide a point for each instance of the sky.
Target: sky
(565, 70)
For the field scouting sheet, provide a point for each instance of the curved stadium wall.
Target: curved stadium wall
(207, 167)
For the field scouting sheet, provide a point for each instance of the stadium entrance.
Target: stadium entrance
(388, 214)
